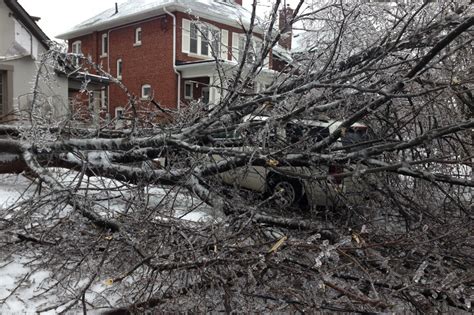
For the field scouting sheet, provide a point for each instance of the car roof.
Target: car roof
(332, 124)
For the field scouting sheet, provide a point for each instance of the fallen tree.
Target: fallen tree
(105, 219)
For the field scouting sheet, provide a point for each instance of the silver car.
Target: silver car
(294, 186)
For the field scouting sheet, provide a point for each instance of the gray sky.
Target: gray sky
(58, 16)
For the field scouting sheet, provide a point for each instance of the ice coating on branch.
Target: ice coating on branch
(420, 271)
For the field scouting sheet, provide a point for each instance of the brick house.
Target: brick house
(167, 49)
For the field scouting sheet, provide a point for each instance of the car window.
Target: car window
(318, 133)
(226, 134)
(354, 135)
(295, 132)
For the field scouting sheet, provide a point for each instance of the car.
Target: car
(293, 186)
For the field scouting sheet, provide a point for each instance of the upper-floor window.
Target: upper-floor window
(224, 44)
(76, 49)
(238, 46)
(255, 49)
(105, 45)
(200, 38)
(119, 69)
(146, 91)
(138, 36)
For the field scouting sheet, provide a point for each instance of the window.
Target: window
(119, 69)
(224, 44)
(3, 98)
(76, 47)
(188, 90)
(146, 91)
(200, 39)
(105, 45)
(254, 52)
(104, 98)
(193, 44)
(238, 45)
(138, 36)
(119, 112)
(215, 41)
(204, 41)
(205, 95)
(94, 105)
(77, 51)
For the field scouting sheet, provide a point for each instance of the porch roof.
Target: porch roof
(76, 81)
(209, 68)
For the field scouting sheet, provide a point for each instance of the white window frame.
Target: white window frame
(104, 98)
(191, 85)
(257, 46)
(224, 44)
(119, 112)
(238, 45)
(213, 41)
(76, 49)
(138, 34)
(143, 95)
(206, 90)
(105, 45)
(255, 49)
(119, 68)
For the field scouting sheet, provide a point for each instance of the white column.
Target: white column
(214, 91)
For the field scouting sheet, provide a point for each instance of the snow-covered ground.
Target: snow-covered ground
(24, 299)
(20, 300)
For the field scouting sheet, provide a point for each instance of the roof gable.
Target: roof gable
(28, 21)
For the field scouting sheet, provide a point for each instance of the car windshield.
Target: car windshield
(354, 135)
(295, 132)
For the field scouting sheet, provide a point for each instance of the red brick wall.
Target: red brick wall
(150, 63)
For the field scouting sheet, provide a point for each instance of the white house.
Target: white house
(22, 44)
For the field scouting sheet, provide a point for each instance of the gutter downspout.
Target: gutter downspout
(178, 101)
(108, 70)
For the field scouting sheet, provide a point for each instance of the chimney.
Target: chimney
(116, 7)
(239, 2)
(286, 14)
